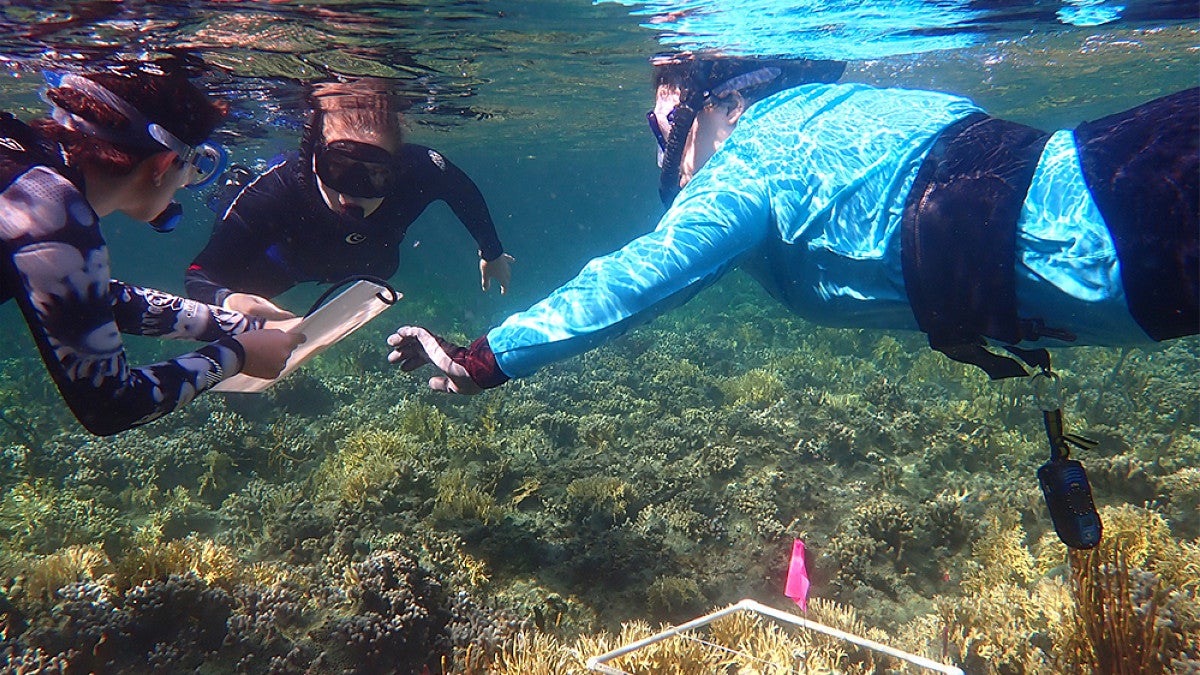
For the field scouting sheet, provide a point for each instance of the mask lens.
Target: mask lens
(206, 163)
(355, 171)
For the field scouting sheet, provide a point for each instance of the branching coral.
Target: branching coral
(208, 561)
(602, 497)
(1133, 614)
(74, 563)
(364, 463)
(42, 517)
(458, 498)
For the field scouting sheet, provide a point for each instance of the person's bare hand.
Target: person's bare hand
(255, 305)
(284, 324)
(499, 270)
(267, 351)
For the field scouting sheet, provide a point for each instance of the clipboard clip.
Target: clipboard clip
(390, 299)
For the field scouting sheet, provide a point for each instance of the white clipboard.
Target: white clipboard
(341, 316)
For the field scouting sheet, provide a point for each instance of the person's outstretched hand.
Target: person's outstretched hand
(499, 270)
(255, 305)
(267, 351)
(465, 370)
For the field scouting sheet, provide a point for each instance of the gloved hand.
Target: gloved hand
(466, 370)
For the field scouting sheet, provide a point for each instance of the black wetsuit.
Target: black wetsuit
(279, 232)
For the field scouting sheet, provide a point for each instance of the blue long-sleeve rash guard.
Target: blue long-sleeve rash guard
(808, 194)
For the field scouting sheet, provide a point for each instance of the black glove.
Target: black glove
(467, 370)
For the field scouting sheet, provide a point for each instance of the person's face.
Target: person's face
(157, 179)
(330, 164)
(711, 127)
(347, 205)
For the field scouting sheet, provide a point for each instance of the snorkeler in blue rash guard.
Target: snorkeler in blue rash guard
(884, 208)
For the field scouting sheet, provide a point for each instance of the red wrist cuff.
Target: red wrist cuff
(481, 364)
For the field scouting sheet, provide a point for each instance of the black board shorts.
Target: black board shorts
(1142, 168)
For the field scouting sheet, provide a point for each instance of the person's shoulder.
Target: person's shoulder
(42, 183)
(414, 156)
(828, 99)
(276, 190)
(282, 176)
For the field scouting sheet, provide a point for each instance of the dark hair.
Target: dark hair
(168, 99)
(693, 73)
(368, 104)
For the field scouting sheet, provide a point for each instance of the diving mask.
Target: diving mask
(205, 160)
(355, 169)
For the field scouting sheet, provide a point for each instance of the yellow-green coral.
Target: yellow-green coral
(669, 595)
(756, 388)
(1000, 556)
(458, 498)
(74, 563)
(363, 464)
(607, 496)
(39, 516)
(742, 642)
(213, 563)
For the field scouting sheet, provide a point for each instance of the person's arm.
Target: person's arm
(702, 236)
(56, 265)
(146, 311)
(236, 258)
(457, 189)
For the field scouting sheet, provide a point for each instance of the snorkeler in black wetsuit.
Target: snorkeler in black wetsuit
(340, 207)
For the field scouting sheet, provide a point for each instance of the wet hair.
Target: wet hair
(367, 109)
(697, 73)
(165, 97)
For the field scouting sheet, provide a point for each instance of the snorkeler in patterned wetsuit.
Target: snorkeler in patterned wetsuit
(884, 208)
(117, 142)
(338, 208)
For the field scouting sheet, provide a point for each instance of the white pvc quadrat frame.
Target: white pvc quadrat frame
(598, 663)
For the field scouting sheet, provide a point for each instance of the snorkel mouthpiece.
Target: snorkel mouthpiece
(169, 218)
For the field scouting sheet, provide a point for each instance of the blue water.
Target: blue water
(542, 103)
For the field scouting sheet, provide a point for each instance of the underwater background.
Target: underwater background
(350, 520)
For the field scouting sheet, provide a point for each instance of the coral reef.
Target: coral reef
(353, 521)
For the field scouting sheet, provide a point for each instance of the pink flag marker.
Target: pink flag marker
(797, 578)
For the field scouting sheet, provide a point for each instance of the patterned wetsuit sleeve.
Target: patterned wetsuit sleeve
(146, 311)
(55, 263)
(464, 198)
(703, 235)
(236, 257)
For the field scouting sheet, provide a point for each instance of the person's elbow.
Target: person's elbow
(102, 425)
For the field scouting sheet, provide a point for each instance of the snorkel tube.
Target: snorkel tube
(681, 125)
